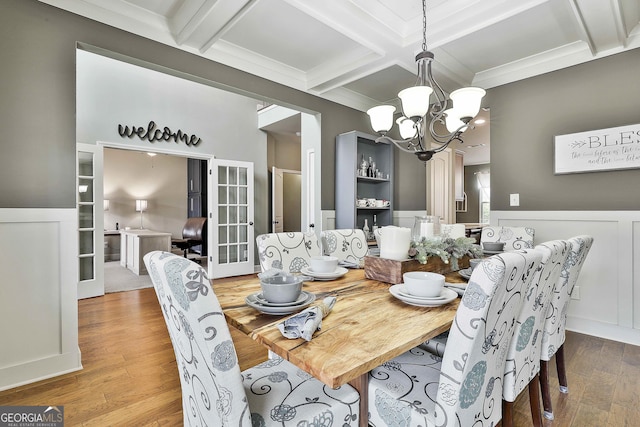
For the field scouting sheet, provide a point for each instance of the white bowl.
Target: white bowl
(473, 263)
(323, 264)
(423, 283)
(281, 289)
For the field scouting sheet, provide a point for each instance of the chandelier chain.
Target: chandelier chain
(424, 25)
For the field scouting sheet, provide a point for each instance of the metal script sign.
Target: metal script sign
(598, 150)
(152, 133)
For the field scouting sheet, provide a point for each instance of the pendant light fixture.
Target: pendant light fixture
(417, 123)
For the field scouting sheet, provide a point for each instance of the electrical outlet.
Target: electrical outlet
(514, 199)
(575, 294)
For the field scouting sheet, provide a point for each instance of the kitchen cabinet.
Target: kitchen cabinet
(351, 149)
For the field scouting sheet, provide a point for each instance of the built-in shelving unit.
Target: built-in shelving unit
(351, 148)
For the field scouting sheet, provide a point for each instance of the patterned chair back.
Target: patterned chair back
(514, 238)
(210, 378)
(346, 245)
(287, 251)
(554, 332)
(470, 386)
(523, 357)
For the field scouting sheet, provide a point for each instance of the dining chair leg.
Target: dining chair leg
(507, 413)
(534, 401)
(544, 385)
(562, 373)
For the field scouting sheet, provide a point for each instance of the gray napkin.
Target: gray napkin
(305, 323)
(272, 273)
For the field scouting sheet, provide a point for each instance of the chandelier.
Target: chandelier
(419, 115)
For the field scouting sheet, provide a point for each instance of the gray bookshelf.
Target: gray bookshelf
(350, 147)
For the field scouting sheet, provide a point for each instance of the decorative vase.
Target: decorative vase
(425, 226)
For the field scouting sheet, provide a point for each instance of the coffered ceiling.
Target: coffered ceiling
(360, 53)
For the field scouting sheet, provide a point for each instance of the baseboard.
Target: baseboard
(604, 330)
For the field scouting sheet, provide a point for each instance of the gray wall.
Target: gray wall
(37, 107)
(161, 180)
(525, 117)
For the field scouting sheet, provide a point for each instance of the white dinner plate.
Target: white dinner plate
(466, 273)
(262, 300)
(254, 303)
(339, 272)
(449, 295)
(402, 290)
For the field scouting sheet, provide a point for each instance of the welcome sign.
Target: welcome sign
(598, 150)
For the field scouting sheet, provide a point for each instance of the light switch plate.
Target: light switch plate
(514, 199)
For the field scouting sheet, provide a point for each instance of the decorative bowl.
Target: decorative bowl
(281, 289)
(423, 283)
(493, 246)
(323, 264)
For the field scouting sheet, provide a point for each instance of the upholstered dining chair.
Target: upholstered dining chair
(346, 244)
(214, 391)
(287, 251)
(554, 327)
(514, 238)
(523, 358)
(464, 387)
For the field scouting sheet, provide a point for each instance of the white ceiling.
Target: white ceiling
(360, 53)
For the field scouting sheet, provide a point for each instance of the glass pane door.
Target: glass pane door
(90, 232)
(232, 218)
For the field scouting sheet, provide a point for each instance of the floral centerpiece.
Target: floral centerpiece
(446, 248)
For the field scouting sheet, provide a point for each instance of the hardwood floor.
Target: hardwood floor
(130, 376)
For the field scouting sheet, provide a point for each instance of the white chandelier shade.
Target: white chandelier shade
(415, 101)
(466, 101)
(406, 127)
(452, 120)
(381, 117)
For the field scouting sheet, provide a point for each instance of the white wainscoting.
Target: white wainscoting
(610, 279)
(38, 295)
(609, 284)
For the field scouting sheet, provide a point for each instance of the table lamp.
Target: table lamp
(141, 206)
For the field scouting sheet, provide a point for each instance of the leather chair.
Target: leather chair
(194, 233)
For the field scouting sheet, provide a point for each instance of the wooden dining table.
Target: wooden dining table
(366, 327)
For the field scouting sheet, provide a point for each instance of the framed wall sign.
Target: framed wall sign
(598, 150)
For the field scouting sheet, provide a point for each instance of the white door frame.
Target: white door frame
(152, 149)
(237, 266)
(95, 286)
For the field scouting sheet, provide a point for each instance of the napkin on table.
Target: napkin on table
(272, 273)
(305, 323)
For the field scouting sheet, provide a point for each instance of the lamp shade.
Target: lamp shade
(466, 101)
(381, 117)
(141, 205)
(406, 128)
(415, 101)
(452, 120)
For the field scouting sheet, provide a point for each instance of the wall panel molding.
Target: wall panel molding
(609, 304)
(38, 294)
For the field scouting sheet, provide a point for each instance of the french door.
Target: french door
(90, 220)
(231, 218)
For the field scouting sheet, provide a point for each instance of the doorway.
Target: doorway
(286, 200)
